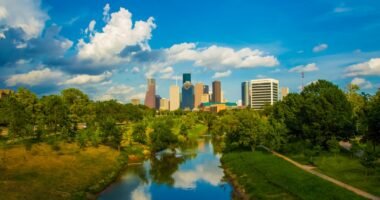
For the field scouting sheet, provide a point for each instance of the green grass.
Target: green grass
(196, 131)
(348, 170)
(265, 176)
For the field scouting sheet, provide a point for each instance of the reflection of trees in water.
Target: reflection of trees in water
(162, 169)
(218, 146)
(140, 171)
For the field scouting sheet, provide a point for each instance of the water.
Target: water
(194, 173)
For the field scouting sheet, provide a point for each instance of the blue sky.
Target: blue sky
(109, 48)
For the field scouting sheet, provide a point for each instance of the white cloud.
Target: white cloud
(91, 28)
(141, 193)
(24, 14)
(305, 68)
(320, 47)
(222, 74)
(135, 70)
(87, 79)
(371, 67)
(121, 93)
(106, 15)
(35, 77)
(362, 83)
(120, 32)
(216, 57)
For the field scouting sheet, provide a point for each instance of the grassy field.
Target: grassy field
(264, 176)
(44, 173)
(346, 169)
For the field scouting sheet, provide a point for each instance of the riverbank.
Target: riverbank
(263, 176)
(64, 171)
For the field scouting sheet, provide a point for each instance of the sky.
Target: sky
(108, 48)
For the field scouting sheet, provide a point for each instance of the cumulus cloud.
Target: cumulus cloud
(362, 83)
(222, 74)
(91, 28)
(305, 68)
(35, 77)
(120, 32)
(122, 93)
(320, 47)
(369, 68)
(106, 15)
(24, 14)
(87, 79)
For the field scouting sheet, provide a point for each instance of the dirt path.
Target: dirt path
(327, 178)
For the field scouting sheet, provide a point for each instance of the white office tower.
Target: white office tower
(263, 91)
(174, 98)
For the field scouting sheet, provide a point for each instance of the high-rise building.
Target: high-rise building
(284, 92)
(216, 92)
(164, 104)
(263, 91)
(158, 101)
(205, 98)
(187, 93)
(205, 89)
(174, 97)
(186, 77)
(135, 102)
(245, 93)
(150, 97)
(198, 92)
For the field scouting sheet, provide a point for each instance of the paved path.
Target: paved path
(327, 178)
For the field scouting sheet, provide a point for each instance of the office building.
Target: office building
(198, 92)
(174, 97)
(263, 91)
(158, 101)
(150, 97)
(216, 92)
(135, 102)
(284, 92)
(187, 93)
(217, 107)
(164, 104)
(205, 89)
(205, 98)
(245, 93)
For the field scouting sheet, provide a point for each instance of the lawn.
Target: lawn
(346, 169)
(265, 176)
(44, 173)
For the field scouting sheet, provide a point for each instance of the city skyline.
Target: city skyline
(52, 46)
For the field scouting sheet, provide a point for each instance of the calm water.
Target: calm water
(194, 173)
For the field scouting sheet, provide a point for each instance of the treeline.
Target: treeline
(314, 120)
(27, 116)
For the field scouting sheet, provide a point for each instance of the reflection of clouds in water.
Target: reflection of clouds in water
(141, 193)
(209, 173)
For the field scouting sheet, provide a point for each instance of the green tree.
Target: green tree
(110, 134)
(139, 133)
(55, 114)
(162, 136)
(358, 103)
(76, 102)
(373, 112)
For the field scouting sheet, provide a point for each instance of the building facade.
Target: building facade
(187, 92)
(216, 92)
(174, 98)
(245, 93)
(206, 89)
(164, 104)
(205, 98)
(284, 92)
(150, 96)
(135, 102)
(158, 102)
(198, 92)
(263, 91)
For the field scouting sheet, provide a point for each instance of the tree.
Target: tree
(326, 113)
(110, 134)
(162, 136)
(55, 114)
(76, 102)
(358, 103)
(139, 133)
(373, 112)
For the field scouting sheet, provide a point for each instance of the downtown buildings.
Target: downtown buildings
(263, 92)
(150, 97)
(174, 98)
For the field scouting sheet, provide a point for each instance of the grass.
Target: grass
(265, 176)
(196, 131)
(44, 173)
(346, 169)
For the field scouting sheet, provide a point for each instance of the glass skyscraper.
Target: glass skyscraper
(187, 92)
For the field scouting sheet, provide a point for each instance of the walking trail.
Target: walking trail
(327, 178)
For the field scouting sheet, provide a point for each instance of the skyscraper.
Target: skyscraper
(284, 92)
(205, 89)
(158, 102)
(198, 92)
(216, 92)
(164, 104)
(245, 93)
(174, 97)
(150, 97)
(187, 93)
(263, 91)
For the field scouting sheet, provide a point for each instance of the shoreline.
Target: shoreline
(238, 189)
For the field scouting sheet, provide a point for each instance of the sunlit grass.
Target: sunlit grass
(42, 173)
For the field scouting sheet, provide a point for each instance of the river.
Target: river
(192, 173)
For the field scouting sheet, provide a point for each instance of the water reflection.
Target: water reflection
(192, 173)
